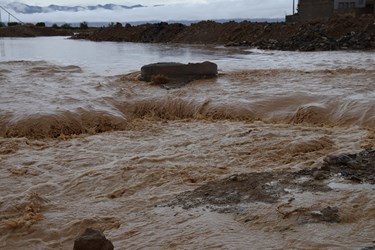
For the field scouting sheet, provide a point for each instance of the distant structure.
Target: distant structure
(9, 16)
(310, 10)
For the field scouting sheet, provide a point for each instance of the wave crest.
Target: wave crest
(172, 108)
(66, 123)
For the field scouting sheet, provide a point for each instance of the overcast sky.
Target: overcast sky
(172, 10)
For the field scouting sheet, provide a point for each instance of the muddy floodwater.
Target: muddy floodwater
(276, 153)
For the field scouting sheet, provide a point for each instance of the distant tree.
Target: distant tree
(66, 26)
(41, 24)
(55, 26)
(13, 24)
(83, 25)
(112, 24)
(2, 24)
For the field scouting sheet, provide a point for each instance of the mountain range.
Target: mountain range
(29, 9)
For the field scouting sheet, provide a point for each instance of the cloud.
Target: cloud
(95, 2)
(192, 10)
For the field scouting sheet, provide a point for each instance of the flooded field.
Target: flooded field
(244, 160)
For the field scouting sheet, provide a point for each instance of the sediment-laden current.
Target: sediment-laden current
(141, 163)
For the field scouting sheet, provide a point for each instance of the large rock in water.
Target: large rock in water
(178, 73)
(92, 240)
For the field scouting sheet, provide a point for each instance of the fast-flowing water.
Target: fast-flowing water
(84, 143)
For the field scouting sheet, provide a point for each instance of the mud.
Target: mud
(336, 34)
(32, 31)
(355, 167)
(230, 194)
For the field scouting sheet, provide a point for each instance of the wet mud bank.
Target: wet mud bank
(285, 202)
(336, 34)
(230, 194)
(32, 31)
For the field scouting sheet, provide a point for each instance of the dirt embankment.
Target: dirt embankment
(336, 34)
(32, 31)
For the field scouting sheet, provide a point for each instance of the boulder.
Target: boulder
(92, 240)
(178, 72)
(328, 214)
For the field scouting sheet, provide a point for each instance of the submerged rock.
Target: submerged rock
(92, 240)
(328, 214)
(369, 248)
(358, 167)
(177, 73)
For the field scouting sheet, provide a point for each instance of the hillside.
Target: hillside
(32, 9)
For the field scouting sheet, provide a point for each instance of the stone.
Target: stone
(328, 214)
(357, 167)
(368, 248)
(179, 72)
(320, 175)
(92, 240)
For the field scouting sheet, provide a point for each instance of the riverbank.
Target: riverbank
(336, 34)
(33, 31)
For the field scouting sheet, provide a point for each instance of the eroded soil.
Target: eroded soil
(230, 194)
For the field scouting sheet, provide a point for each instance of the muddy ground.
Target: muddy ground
(32, 31)
(342, 33)
(230, 195)
(336, 34)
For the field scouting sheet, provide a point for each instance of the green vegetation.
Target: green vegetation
(66, 26)
(41, 24)
(112, 24)
(13, 24)
(83, 26)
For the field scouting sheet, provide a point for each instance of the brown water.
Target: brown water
(79, 150)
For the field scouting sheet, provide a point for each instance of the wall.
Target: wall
(315, 9)
(358, 7)
(341, 4)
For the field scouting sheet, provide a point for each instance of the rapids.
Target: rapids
(83, 145)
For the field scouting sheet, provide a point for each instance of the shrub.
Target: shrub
(66, 26)
(83, 25)
(112, 24)
(13, 24)
(41, 24)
